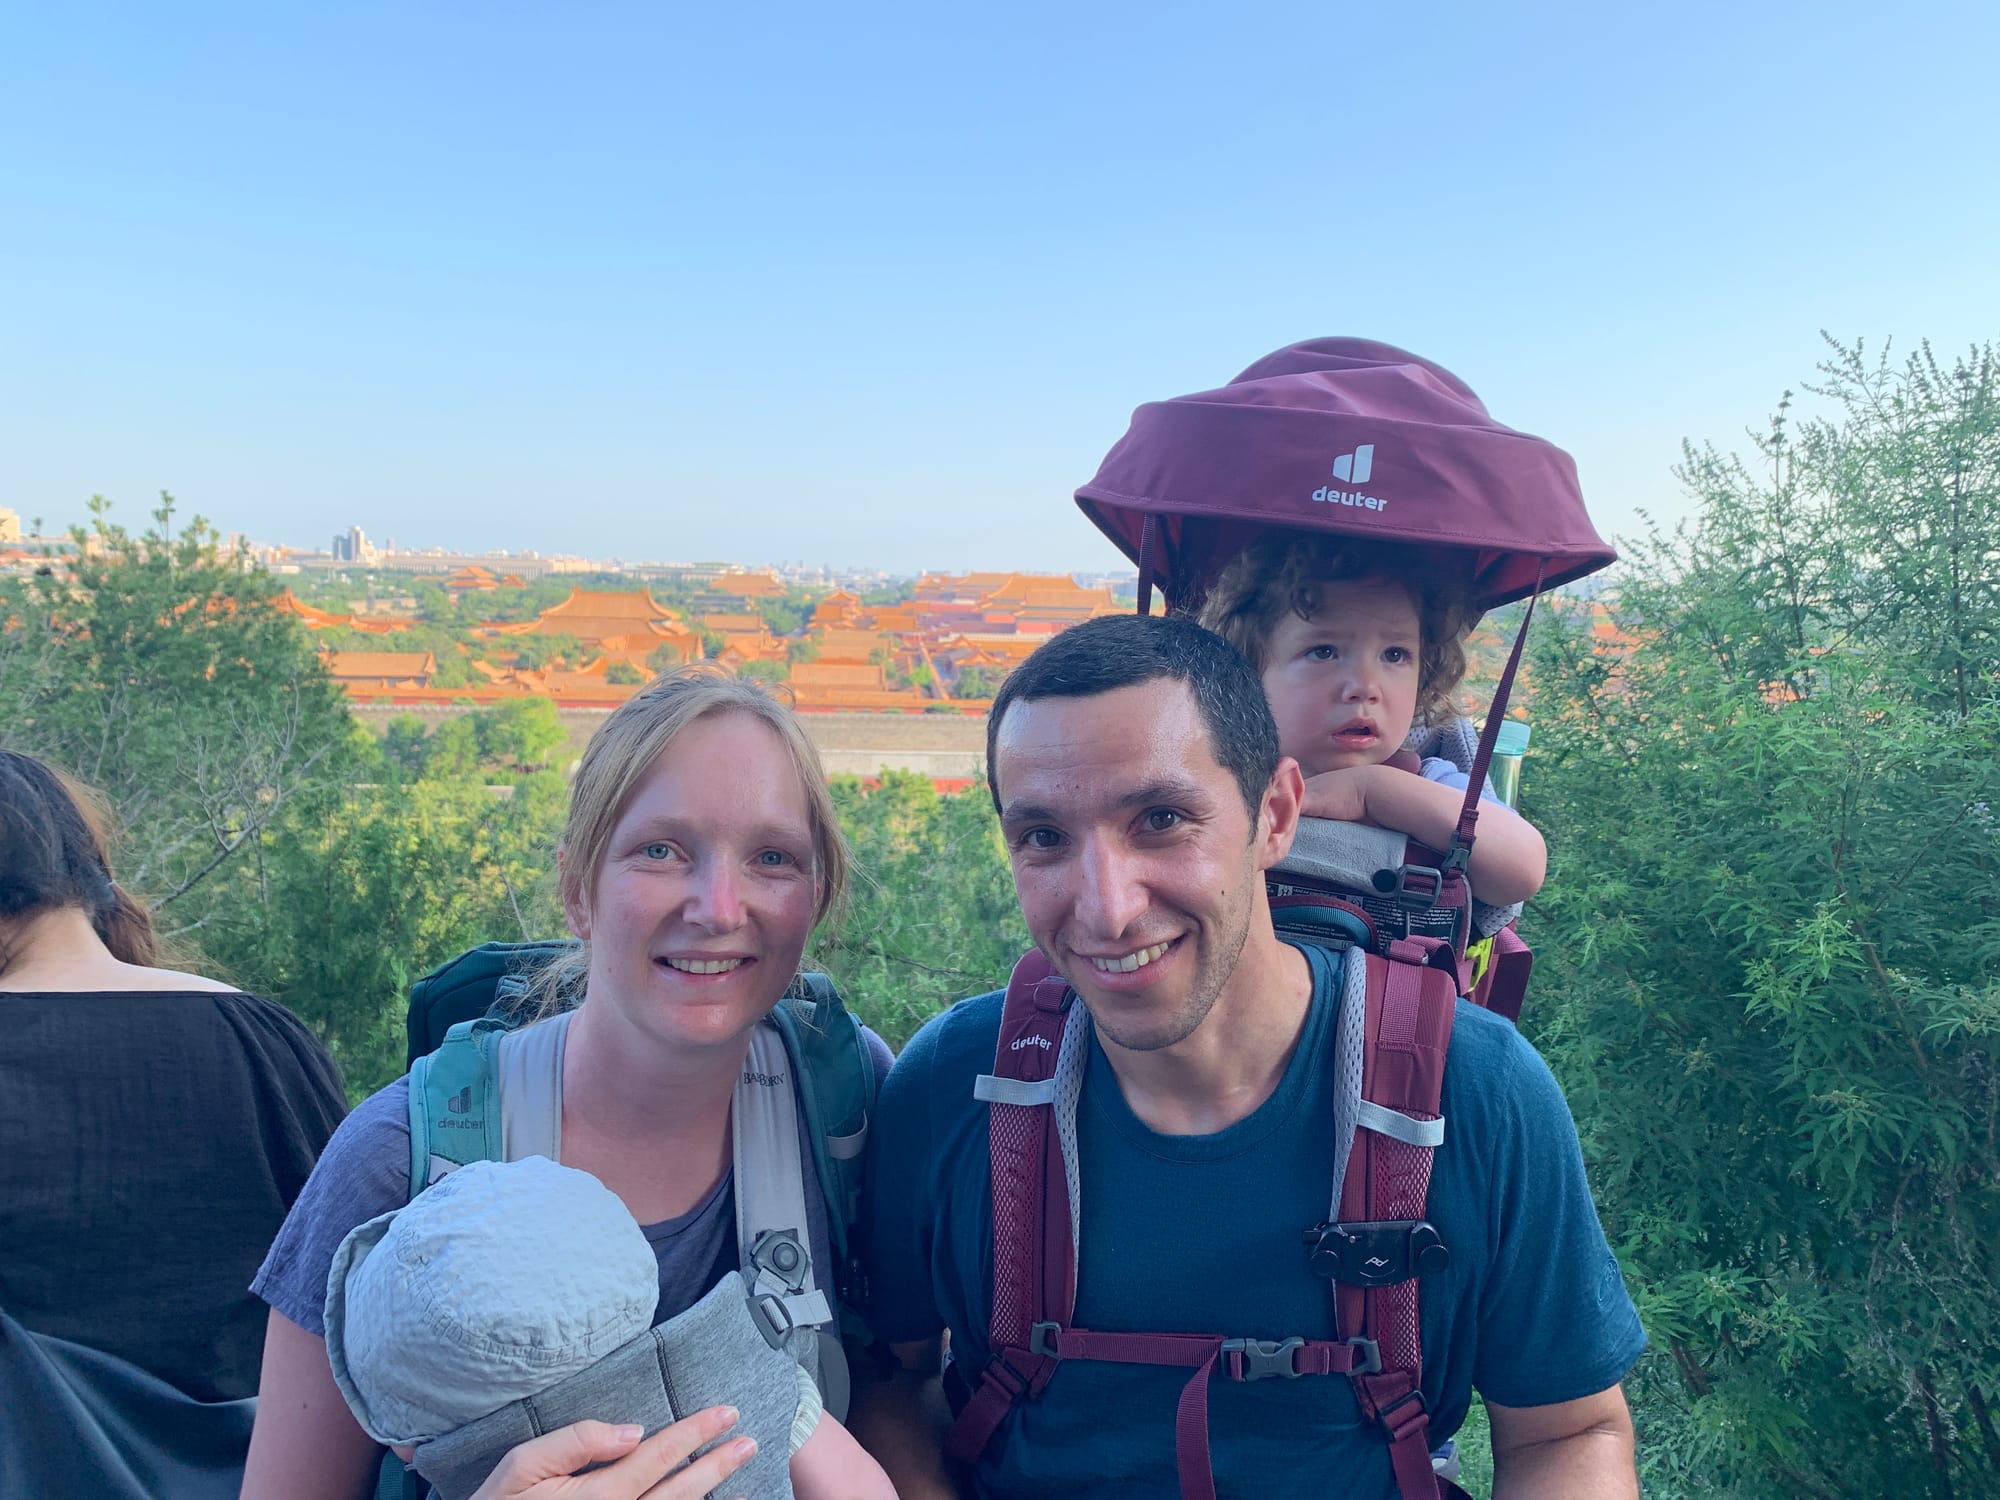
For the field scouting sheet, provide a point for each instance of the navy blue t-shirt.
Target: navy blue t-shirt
(1204, 1234)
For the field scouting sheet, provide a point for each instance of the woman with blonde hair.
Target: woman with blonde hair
(700, 852)
(158, 1127)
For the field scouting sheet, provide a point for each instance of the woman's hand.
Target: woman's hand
(545, 1468)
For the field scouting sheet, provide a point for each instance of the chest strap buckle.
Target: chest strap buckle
(1261, 1359)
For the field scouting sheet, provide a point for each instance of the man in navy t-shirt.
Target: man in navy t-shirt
(1141, 797)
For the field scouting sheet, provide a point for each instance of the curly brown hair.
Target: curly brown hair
(1289, 571)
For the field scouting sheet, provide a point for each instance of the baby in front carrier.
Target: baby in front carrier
(1358, 645)
(514, 1298)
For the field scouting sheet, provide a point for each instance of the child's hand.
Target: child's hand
(1341, 794)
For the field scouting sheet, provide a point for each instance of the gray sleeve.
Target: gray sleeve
(364, 1171)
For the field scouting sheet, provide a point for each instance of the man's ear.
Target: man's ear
(576, 911)
(1278, 817)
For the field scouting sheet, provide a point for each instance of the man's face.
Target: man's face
(1135, 860)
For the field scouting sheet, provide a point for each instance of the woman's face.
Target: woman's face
(701, 908)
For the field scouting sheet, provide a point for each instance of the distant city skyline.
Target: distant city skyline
(880, 286)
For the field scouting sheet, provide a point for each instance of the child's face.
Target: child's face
(1343, 685)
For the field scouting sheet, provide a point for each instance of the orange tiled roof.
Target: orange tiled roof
(836, 609)
(837, 644)
(811, 697)
(1018, 588)
(752, 645)
(726, 623)
(290, 603)
(747, 585)
(597, 616)
(380, 666)
(825, 674)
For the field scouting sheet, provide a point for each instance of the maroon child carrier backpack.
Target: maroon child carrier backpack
(1359, 438)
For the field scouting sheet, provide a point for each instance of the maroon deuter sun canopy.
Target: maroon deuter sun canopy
(1350, 436)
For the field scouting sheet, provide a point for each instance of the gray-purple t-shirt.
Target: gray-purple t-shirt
(365, 1171)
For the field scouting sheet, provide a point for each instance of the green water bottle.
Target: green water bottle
(1508, 748)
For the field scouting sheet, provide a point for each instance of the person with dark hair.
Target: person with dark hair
(1120, 651)
(158, 1126)
(1190, 1094)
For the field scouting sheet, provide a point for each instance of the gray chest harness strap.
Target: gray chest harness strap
(770, 1187)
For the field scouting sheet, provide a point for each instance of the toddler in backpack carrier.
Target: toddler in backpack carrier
(1359, 647)
(514, 1298)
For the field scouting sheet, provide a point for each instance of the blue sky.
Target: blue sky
(878, 284)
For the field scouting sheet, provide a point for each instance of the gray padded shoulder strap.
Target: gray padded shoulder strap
(529, 1063)
(770, 1181)
(1350, 1037)
(1072, 1062)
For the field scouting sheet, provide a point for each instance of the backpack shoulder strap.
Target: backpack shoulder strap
(1034, 1238)
(1381, 1243)
(455, 1103)
(837, 1087)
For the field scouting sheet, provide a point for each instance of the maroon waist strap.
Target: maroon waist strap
(1205, 1354)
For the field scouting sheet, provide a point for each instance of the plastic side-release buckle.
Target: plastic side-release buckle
(772, 1318)
(1413, 887)
(1377, 1254)
(1042, 1339)
(1262, 1359)
(1398, 1427)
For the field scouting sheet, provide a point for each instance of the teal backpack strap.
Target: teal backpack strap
(837, 1089)
(455, 1103)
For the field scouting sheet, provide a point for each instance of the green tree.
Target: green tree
(453, 749)
(455, 670)
(932, 917)
(773, 672)
(1770, 953)
(160, 672)
(787, 613)
(536, 652)
(365, 888)
(978, 682)
(664, 658)
(624, 673)
(403, 745)
(517, 733)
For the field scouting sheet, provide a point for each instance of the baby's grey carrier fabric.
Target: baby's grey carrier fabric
(711, 1355)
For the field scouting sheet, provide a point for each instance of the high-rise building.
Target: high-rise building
(10, 526)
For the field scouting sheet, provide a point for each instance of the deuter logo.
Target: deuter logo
(1030, 1041)
(1352, 468)
(460, 1103)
